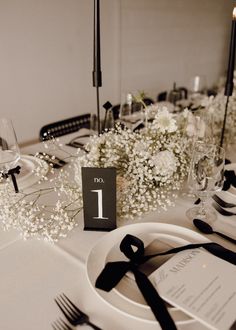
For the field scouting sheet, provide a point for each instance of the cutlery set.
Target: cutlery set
(205, 228)
(222, 210)
(52, 160)
(74, 143)
(61, 325)
(72, 313)
(220, 205)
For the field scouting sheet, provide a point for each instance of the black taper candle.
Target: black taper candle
(230, 73)
(97, 74)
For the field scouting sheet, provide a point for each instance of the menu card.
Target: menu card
(201, 285)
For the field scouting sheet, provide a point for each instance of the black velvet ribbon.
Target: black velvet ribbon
(12, 172)
(230, 179)
(114, 272)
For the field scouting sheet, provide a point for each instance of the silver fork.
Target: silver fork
(72, 313)
(61, 325)
(222, 211)
(222, 203)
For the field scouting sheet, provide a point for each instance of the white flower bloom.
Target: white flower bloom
(165, 163)
(191, 129)
(186, 113)
(145, 180)
(164, 121)
(200, 127)
(140, 146)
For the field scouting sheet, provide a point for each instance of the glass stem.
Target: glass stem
(202, 206)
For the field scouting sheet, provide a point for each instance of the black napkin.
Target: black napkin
(230, 179)
(12, 172)
(114, 271)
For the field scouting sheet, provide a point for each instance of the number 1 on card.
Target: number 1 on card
(100, 204)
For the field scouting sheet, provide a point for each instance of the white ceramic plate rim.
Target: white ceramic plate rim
(31, 178)
(113, 237)
(179, 241)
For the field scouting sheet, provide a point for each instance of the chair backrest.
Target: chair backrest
(64, 127)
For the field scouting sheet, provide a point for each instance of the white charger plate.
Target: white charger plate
(27, 176)
(104, 250)
(127, 287)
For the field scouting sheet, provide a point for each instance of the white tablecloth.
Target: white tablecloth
(33, 273)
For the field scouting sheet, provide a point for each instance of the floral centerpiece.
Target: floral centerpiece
(216, 106)
(150, 164)
(30, 212)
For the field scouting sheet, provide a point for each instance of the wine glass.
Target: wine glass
(131, 110)
(206, 177)
(9, 150)
(198, 85)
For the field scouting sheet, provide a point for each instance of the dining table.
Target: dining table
(34, 272)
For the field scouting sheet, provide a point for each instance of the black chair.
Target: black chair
(64, 127)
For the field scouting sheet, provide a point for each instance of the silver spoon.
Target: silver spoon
(205, 228)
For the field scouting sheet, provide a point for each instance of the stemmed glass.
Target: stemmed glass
(131, 111)
(206, 177)
(9, 150)
(197, 86)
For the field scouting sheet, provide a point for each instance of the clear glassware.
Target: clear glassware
(197, 91)
(110, 123)
(204, 126)
(131, 111)
(197, 86)
(9, 149)
(206, 177)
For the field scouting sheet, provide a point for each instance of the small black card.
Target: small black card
(99, 198)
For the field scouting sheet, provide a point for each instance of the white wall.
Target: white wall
(46, 60)
(46, 53)
(172, 40)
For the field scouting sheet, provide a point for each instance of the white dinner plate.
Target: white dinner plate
(27, 176)
(154, 243)
(107, 249)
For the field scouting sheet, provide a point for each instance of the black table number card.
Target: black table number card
(99, 198)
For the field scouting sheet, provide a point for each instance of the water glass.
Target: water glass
(9, 150)
(206, 177)
(131, 111)
(197, 86)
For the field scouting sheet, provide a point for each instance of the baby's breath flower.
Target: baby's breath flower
(150, 164)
